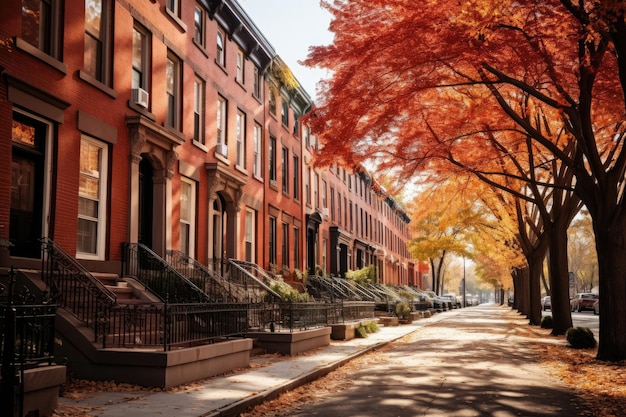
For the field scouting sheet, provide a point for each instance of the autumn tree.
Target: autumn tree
(413, 80)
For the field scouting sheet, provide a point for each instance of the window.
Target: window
(295, 124)
(187, 216)
(339, 208)
(241, 139)
(221, 126)
(296, 177)
(316, 190)
(324, 193)
(272, 240)
(199, 36)
(250, 234)
(324, 250)
(272, 161)
(173, 75)
(284, 113)
(285, 169)
(272, 102)
(258, 82)
(174, 7)
(307, 137)
(332, 203)
(285, 247)
(92, 199)
(258, 154)
(307, 185)
(97, 43)
(241, 61)
(198, 110)
(41, 25)
(220, 54)
(141, 62)
(296, 247)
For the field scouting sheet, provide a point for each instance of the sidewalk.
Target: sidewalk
(229, 395)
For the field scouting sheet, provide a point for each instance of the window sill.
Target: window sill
(97, 84)
(241, 169)
(259, 179)
(222, 158)
(200, 145)
(181, 25)
(141, 110)
(26, 47)
(174, 131)
(273, 185)
(221, 66)
(201, 48)
(240, 84)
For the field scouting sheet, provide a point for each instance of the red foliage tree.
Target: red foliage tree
(416, 82)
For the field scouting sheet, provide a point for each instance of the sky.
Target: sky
(291, 27)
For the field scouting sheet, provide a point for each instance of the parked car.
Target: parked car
(596, 307)
(546, 303)
(583, 301)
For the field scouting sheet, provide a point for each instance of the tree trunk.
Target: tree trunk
(535, 264)
(559, 279)
(611, 248)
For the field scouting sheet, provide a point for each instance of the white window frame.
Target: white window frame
(191, 221)
(241, 67)
(102, 37)
(250, 233)
(241, 139)
(221, 120)
(258, 150)
(144, 67)
(199, 91)
(101, 218)
(199, 26)
(175, 90)
(220, 53)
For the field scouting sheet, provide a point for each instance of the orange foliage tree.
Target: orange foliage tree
(416, 82)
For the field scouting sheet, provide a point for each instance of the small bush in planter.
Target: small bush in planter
(580, 338)
(372, 327)
(403, 311)
(360, 332)
(546, 322)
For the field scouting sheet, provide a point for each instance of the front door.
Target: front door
(29, 138)
(146, 202)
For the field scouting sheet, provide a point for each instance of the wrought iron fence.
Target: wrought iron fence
(26, 340)
(160, 277)
(174, 325)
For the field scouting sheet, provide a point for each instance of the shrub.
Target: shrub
(288, 293)
(580, 338)
(403, 311)
(365, 275)
(546, 322)
(360, 332)
(372, 327)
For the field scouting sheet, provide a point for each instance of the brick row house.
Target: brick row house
(162, 123)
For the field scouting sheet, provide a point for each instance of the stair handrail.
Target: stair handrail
(242, 266)
(194, 270)
(131, 266)
(89, 301)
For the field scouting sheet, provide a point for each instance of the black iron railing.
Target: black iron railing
(255, 282)
(357, 310)
(174, 325)
(75, 288)
(26, 340)
(209, 281)
(159, 276)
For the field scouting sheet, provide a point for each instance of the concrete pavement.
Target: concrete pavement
(498, 377)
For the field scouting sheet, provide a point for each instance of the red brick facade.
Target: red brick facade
(90, 162)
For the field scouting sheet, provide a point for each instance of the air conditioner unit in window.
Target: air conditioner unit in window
(325, 211)
(222, 149)
(141, 97)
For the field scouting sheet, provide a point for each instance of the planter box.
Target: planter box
(292, 343)
(346, 331)
(41, 389)
(388, 321)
